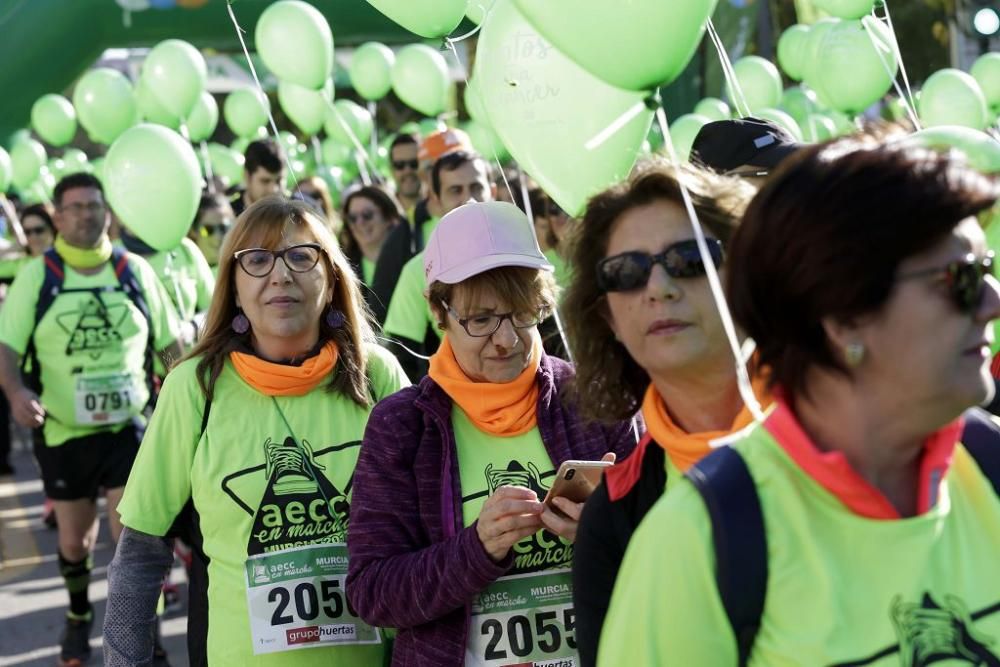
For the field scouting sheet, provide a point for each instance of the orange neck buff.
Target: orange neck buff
(273, 379)
(686, 449)
(506, 409)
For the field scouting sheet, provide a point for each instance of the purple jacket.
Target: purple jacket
(413, 566)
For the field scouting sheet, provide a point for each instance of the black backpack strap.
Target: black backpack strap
(52, 282)
(130, 284)
(740, 542)
(981, 438)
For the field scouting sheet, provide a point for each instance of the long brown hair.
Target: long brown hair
(609, 384)
(266, 222)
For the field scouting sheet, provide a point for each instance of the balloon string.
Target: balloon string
(742, 373)
(482, 104)
(616, 125)
(454, 40)
(260, 88)
(879, 48)
(735, 90)
(372, 109)
(360, 154)
(899, 58)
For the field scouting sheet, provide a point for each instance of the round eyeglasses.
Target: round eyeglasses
(259, 262)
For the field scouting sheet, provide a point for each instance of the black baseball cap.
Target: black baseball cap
(725, 145)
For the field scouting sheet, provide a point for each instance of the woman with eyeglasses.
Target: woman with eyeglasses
(858, 524)
(646, 335)
(250, 454)
(450, 541)
(212, 221)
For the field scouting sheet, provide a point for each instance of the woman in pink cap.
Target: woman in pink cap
(449, 541)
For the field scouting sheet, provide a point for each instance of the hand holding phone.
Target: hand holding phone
(576, 480)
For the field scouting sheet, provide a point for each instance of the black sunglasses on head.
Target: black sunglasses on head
(965, 278)
(630, 270)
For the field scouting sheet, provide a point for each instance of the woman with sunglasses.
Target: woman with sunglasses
(864, 277)
(212, 221)
(449, 540)
(370, 213)
(39, 232)
(250, 454)
(646, 333)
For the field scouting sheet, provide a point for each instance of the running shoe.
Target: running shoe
(75, 643)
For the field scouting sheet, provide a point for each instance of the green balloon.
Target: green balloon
(305, 107)
(240, 144)
(411, 127)
(26, 157)
(631, 45)
(534, 99)
(476, 10)
(952, 97)
(153, 184)
(204, 118)
(982, 150)
(296, 44)
(799, 102)
(849, 74)
(288, 141)
(176, 73)
(371, 70)
(37, 192)
(246, 110)
(336, 153)
(97, 164)
(818, 128)
(357, 119)
(683, 132)
(811, 51)
(791, 51)
(227, 164)
(986, 71)
(783, 119)
(420, 78)
(56, 167)
(846, 9)
(713, 108)
(151, 109)
(429, 126)
(843, 123)
(473, 100)
(760, 82)
(54, 119)
(76, 160)
(6, 171)
(428, 18)
(485, 141)
(105, 104)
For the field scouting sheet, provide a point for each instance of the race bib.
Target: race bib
(105, 399)
(524, 620)
(296, 599)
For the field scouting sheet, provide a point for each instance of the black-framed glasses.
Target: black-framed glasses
(400, 165)
(487, 324)
(630, 270)
(965, 279)
(35, 231)
(367, 215)
(259, 262)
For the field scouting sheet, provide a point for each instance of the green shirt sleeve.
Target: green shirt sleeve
(387, 376)
(160, 482)
(666, 609)
(10, 267)
(162, 314)
(407, 316)
(17, 317)
(202, 273)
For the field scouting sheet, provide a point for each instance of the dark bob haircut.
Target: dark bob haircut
(825, 236)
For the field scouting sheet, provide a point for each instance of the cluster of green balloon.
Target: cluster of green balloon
(204, 118)
(683, 131)
(292, 22)
(371, 70)
(428, 18)
(171, 83)
(982, 150)
(227, 164)
(953, 97)
(306, 108)
(759, 83)
(347, 120)
(986, 72)
(153, 183)
(420, 79)
(27, 157)
(54, 119)
(539, 94)
(105, 104)
(246, 111)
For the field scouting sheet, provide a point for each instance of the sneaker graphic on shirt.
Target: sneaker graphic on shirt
(286, 467)
(515, 475)
(931, 633)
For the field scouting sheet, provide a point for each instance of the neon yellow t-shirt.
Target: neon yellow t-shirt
(271, 481)
(527, 615)
(91, 347)
(11, 266)
(561, 272)
(842, 588)
(367, 270)
(409, 313)
(186, 276)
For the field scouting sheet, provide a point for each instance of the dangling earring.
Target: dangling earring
(335, 318)
(240, 324)
(854, 353)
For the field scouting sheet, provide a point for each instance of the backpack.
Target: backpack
(52, 287)
(730, 495)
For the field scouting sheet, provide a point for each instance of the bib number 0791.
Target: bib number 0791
(523, 634)
(103, 401)
(308, 602)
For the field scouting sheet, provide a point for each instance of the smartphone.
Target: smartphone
(576, 480)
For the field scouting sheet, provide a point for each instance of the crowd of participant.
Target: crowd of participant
(349, 421)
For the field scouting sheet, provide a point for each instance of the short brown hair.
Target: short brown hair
(825, 236)
(522, 289)
(610, 384)
(268, 219)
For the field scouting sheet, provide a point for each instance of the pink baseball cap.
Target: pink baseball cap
(480, 236)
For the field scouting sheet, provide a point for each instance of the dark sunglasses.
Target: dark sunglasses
(355, 218)
(630, 270)
(965, 278)
(35, 231)
(210, 230)
(400, 165)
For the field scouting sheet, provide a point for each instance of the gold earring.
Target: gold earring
(854, 353)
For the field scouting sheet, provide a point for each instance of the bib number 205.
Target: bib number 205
(308, 601)
(521, 635)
